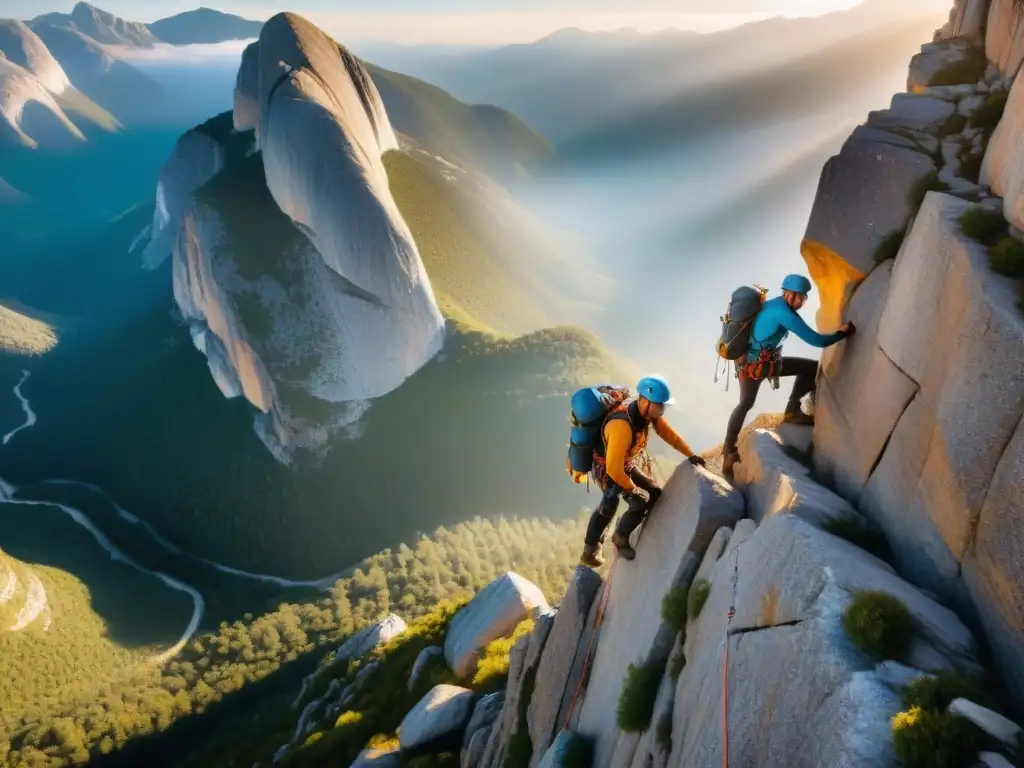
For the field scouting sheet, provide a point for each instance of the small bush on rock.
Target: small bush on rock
(984, 225)
(890, 246)
(969, 69)
(927, 739)
(673, 608)
(938, 692)
(636, 702)
(698, 596)
(879, 624)
(954, 124)
(492, 668)
(1007, 257)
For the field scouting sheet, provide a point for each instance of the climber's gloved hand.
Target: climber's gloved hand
(636, 498)
(698, 461)
(848, 329)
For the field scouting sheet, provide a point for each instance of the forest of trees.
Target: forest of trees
(451, 564)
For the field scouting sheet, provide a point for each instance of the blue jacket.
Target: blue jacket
(774, 323)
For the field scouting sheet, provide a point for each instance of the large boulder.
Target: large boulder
(932, 59)
(694, 506)
(858, 386)
(556, 663)
(917, 112)
(1003, 167)
(799, 692)
(425, 658)
(773, 482)
(442, 712)
(863, 197)
(1004, 41)
(994, 567)
(367, 639)
(953, 327)
(494, 612)
(294, 266)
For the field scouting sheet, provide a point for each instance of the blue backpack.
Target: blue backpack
(587, 418)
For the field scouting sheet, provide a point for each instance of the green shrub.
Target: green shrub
(677, 665)
(664, 732)
(859, 533)
(1007, 257)
(939, 691)
(984, 225)
(673, 608)
(969, 69)
(928, 183)
(636, 702)
(492, 668)
(698, 596)
(927, 739)
(987, 116)
(879, 624)
(579, 753)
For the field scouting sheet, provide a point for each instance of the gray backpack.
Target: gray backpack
(738, 319)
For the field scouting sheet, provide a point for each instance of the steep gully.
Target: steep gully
(8, 491)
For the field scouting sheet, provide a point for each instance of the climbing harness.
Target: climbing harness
(725, 666)
(766, 366)
(598, 620)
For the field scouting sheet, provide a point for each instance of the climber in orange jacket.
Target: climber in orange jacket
(625, 435)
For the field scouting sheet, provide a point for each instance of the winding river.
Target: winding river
(7, 492)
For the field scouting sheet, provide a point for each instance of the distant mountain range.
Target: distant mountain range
(203, 25)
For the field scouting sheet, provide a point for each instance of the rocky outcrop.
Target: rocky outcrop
(1003, 166)
(494, 612)
(293, 267)
(966, 19)
(444, 710)
(918, 417)
(1004, 39)
(197, 158)
(29, 113)
(247, 91)
(801, 693)
(869, 181)
(933, 59)
(21, 46)
(423, 660)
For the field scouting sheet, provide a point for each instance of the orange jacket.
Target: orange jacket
(618, 437)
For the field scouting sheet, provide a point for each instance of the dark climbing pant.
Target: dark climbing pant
(609, 505)
(805, 372)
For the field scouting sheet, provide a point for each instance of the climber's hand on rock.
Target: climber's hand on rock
(697, 461)
(848, 328)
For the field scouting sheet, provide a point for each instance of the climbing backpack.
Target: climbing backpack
(738, 319)
(590, 407)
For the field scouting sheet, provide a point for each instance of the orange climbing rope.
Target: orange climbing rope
(598, 619)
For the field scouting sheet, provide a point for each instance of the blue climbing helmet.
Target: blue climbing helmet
(797, 284)
(655, 389)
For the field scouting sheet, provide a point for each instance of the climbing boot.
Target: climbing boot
(621, 543)
(591, 556)
(653, 498)
(798, 418)
(729, 459)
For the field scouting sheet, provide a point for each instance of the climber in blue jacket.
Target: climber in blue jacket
(776, 320)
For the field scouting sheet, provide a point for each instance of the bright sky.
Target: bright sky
(473, 21)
